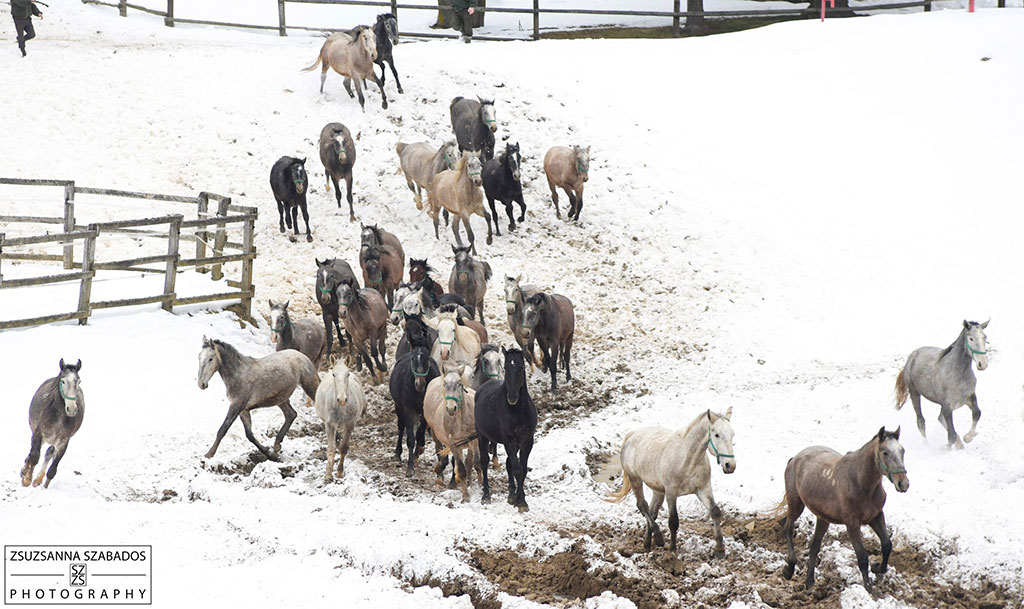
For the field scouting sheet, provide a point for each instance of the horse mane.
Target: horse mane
(376, 233)
(959, 339)
(372, 253)
(230, 358)
(386, 16)
(460, 164)
(427, 269)
(448, 308)
(455, 101)
(486, 102)
(537, 298)
(714, 417)
(359, 299)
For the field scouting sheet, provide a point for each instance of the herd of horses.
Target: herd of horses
(471, 395)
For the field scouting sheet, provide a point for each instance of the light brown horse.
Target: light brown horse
(458, 191)
(420, 163)
(843, 489)
(351, 55)
(568, 169)
(448, 407)
(366, 319)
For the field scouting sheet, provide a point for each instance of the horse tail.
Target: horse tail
(902, 392)
(781, 511)
(319, 58)
(487, 271)
(621, 494)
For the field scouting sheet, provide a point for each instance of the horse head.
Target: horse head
(515, 375)
(278, 319)
(297, 175)
(487, 115)
(419, 363)
(582, 161)
(447, 324)
(416, 332)
(474, 167)
(346, 294)
(339, 148)
(372, 268)
(340, 375)
(209, 362)
(719, 444)
(390, 25)
(67, 385)
(454, 391)
(512, 160)
(489, 363)
(532, 311)
(451, 154)
(463, 264)
(976, 342)
(327, 281)
(512, 293)
(368, 42)
(889, 459)
(403, 291)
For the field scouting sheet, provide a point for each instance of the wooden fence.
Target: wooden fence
(536, 11)
(215, 216)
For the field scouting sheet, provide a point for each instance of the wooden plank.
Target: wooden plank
(55, 238)
(129, 194)
(32, 219)
(129, 302)
(216, 220)
(85, 290)
(225, 24)
(34, 182)
(169, 19)
(146, 9)
(39, 321)
(171, 272)
(675, 19)
(201, 236)
(190, 262)
(248, 238)
(1, 258)
(46, 257)
(218, 242)
(44, 279)
(116, 265)
(142, 222)
(211, 298)
(536, 19)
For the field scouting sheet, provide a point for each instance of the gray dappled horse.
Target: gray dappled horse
(944, 376)
(55, 414)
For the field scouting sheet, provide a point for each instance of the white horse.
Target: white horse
(455, 344)
(674, 463)
(340, 403)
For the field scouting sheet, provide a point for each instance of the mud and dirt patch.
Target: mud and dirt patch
(457, 587)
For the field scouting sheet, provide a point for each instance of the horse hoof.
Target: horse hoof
(292, 239)
(351, 218)
(384, 105)
(878, 569)
(719, 552)
(328, 479)
(959, 445)
(309, 238)
(523, 508)
(511, 499)
(659, 540)
(490, 240)
(969, 437)
(511, 228)
(465, 499)
(439, 483)
(277, 447)
(408, 473)
(486, 499)
(787, 571)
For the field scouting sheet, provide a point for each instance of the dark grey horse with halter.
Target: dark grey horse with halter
(55, 415)
(944, 376)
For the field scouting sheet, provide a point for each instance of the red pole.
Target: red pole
(970, 8)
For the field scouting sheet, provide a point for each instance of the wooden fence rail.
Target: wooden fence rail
(226, 217)
(536, 11)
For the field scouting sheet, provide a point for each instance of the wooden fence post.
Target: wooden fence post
(1, 258)
(280, 18)
(201, 234)
(171, 273)
(221, 238)
(536, 19)
(85, 289)
(69, 224)
(122, 6)
(927, 7)
(169, 19)
(394, 8)
(675, 19)
(248, 236)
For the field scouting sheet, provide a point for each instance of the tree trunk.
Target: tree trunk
(695, 25)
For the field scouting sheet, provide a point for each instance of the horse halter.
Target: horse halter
(579, 168)
(718, 454)
(60, 388)
(974, 352)
(419, 374)
(882, 469)
(457, 400)
(281, 329)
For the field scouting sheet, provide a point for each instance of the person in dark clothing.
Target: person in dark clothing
(462, 18)
(22, 11)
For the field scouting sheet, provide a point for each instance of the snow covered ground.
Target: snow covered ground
(772, 226)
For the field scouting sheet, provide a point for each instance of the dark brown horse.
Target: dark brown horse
(382, 259)
(418, 269)
(366, 319)
(844, 489)
(550, 319)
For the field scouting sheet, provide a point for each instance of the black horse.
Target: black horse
(474, 125)
(330, 274)
(506, 414)
(288, 181)
(501, 182)
(417, 334)
(386, 32)
(409, 379)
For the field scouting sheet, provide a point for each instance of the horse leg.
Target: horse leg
(337, 191)
(42, 469)
(441, 465)
(455, 229)
(673, 522)
(380, 84)
(487, 218)
(878, 526)
(434, 217)
(462, 475)
(483, 446)
(554, 198)
(946, 418)
(348, 195)
(579, 204)
(471, 236)
(522, 206)
(344, 449)
(348, 87)
(359, 92)
(796, 507)
(497, 229)
(708, 500)
(56, 461)
(332, 442)
(410, 443)
(915, 399)
(293, 215)
(645, 510)
(447, 221)
(280, 213)
(31, 459)
(656, 501)
(853, 529)
(391, 62)
(246, 418)
(421, 436)
(975, 415)
(512, 468)
(323, 76)
(289, 417)
(305, 216)
(566, 350)
(378, 355)
(401, 429)
(820, 527)
(233, 412)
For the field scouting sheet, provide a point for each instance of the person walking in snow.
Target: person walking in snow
(22, 11)
(462, 18)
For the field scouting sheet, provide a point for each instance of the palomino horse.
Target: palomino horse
(675, 463)
(55, 414)
(458, 191)
(449, 408)
(305, 335)
(843, 489)
(515, 303)
(256, 383)
(455, 344)
(944, 376)
(474, 124)
(551, 320)
(421, 162)
(468, 279)
(568, 169)
(351, 54)
(340, 403)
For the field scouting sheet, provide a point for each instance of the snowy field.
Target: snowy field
(773, 225)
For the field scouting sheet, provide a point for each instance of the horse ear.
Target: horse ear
(728, 414)
(78, 366)
(881, 433)
(985, 325)
(62, 364)
(270, 302)
(302, 162)
(287, 302)
(454, 251)
(519, 277)
(966, 324)
(317, 261)
(896, 434)
(588, 149)
(503, 351)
